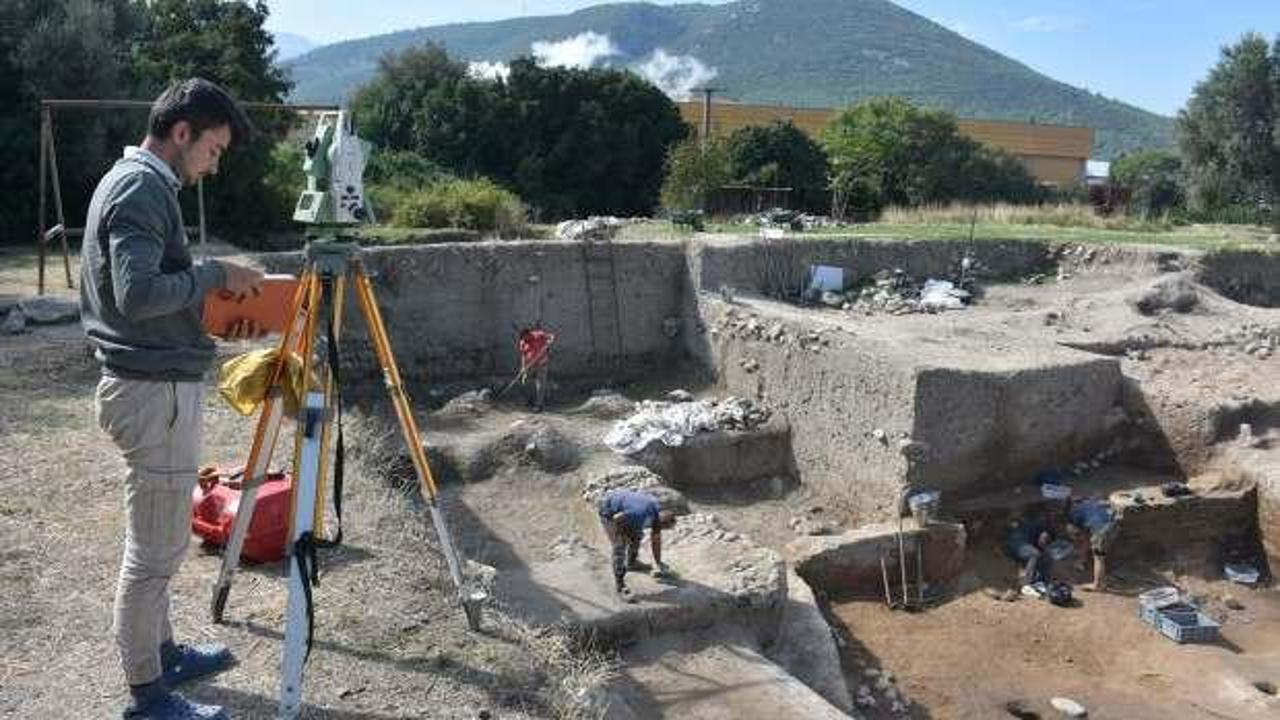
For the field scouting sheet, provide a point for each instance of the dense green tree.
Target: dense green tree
(887, 151)
(590, 141)
(1228, 130)
(224, 42)
(119, 49)
(781, 155)
(695, 171)
(1154, 179)
(59, 49)
(424, 102)
(571, 142)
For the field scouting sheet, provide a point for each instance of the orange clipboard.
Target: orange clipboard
(269, 309)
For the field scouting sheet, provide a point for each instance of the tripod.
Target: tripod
(331, 266)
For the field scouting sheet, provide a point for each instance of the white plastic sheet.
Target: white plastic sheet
(672, 423)
(942, 295)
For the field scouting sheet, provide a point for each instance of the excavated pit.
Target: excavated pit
(1110, 374)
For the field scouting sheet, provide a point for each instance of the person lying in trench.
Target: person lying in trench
(624, 515)
(1091, 523)
(1028, 542)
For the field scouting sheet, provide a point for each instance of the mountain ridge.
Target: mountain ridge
(806, 53)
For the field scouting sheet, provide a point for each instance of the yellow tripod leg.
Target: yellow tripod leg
(263, 447)
(408, 425)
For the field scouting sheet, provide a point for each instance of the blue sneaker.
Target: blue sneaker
(154, 702)
(180, 663)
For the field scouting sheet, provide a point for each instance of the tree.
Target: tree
(887, 151)
(781, 155)
(223, 42)
(695, 171)
(1227, 131)
(1154, 179)
(571, 142)
(65, 48)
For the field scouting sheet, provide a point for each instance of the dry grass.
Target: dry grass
(391, 642)
(1075, 215)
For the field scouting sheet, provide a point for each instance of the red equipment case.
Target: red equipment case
(214, 513)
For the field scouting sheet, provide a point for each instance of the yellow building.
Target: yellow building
(1053, 154)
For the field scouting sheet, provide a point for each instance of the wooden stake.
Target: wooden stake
(57, 196)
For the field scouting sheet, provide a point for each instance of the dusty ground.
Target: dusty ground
(970, 657)
(390, 643)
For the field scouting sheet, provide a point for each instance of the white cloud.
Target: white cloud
(675, 75)
(1046, 23)
(583, 50)
(489, 70)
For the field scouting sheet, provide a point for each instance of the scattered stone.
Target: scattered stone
(913, 450)
(1231, 602)
(1021, 710)
(880, 436)
(351, 692)
(593, 229)
(680, 396)
(44, 310)
(810, 527)
(472, 402)
(832, 299)
(14, 322)
(750, 365)
(606, 405)
(629, 477)
(1068, 707)
(1174, 292)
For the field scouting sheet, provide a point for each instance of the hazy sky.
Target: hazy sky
(1146, 52)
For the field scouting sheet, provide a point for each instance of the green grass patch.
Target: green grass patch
(1199, 237)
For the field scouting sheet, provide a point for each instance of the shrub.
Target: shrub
(283, 178)
(469, 204)
(781, 155)
(695, 171)
(886, 151)
(1155, 180)
(403, 169)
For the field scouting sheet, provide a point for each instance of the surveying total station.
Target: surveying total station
(332, 202)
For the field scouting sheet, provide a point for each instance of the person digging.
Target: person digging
(624, 515)
(534, 345)
(1091, 523)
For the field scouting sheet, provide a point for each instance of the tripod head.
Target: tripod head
(334, 196)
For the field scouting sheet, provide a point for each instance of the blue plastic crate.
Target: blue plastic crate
(1181, 623)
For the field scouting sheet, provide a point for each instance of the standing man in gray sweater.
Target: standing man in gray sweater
(141, 304)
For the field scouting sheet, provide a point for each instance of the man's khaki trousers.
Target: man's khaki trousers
(156, 425)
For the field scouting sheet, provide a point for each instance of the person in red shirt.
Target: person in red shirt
(534, 345)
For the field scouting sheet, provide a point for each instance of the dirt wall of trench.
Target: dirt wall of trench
(453, 309)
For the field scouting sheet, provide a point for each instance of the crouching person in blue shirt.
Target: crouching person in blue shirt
(1093, 520)
(625, 514)
(1028, 542)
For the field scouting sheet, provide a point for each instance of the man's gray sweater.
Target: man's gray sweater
(141, 296)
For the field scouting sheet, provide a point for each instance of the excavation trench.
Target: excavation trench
(787, 524)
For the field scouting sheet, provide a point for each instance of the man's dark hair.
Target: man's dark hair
(203, 105)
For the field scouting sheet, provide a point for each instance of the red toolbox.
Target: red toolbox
(214, 513)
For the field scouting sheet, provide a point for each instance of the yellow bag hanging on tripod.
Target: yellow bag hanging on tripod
(243, 380)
